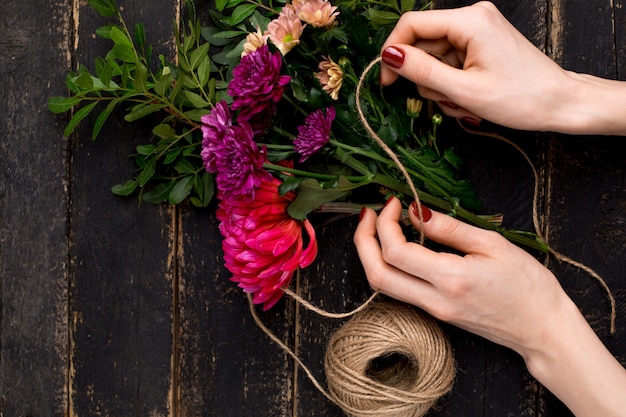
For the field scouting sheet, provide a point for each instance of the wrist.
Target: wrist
(574, 365)
(589, 105)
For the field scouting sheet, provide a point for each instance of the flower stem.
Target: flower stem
(452, 207)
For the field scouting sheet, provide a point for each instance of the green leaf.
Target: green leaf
(185, 167)
(158, 194)
(164, 82)
(171, 156)
(125, 189)
(164, 131)
(208, 33)
(119, 37)
(147, 173)
(145, 149)
(204, 187)
(196, 114)
(122, 52)
(198, 55)
(78, 116)
(102, 118)
(105, 8)
(220, 4)
(240, 13)
(229, 34)
(141, 77)
(311, 195)
(140, 35)
(181, 190)
(196, 100)
(204, 71)
(104, 31)
(59, 104)
(142, 110)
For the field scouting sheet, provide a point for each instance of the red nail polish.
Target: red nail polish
(388, 201)
(426, 213)
(449, 104)
(470, 121)
(362, 213)
(392, 56)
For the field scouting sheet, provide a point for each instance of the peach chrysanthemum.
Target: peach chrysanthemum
(318, 13)
(285, 30)
(253, 41)
(330, 76)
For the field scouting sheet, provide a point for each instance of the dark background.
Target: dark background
(109, 308)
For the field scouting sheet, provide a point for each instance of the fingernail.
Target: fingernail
(426, 213)
(392, 56)
(388, 201)
(449, 104)
(362, 213)
(470, 121)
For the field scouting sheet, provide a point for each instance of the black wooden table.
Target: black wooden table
(109, 308)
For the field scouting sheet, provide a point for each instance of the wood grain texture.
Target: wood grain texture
(112, 308)
(33, 211)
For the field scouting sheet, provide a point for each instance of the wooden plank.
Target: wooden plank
(226, 365)
(587, 175)
(121, 255)
(33, 210)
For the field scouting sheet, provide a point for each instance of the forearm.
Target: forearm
(590, 105)
(576, 367)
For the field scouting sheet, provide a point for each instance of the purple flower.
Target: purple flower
(314, 133)
(239, 163)
(256, 82)
(215, 127)
(230, 152)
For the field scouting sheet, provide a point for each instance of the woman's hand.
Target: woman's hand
(494, 288)
(476, 65)
(497, 290)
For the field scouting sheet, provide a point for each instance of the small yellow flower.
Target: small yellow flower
(318, 13)
(253, 41)
(413, 107)
(285, 30)
(330, 76)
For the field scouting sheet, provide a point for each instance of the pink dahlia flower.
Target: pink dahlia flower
(262, 244)
(285, 30)
(257, 83)
(314, 133)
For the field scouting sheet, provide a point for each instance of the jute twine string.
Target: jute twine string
(389, 360)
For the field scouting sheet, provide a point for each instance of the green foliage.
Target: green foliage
(177, 94)
(169, 168)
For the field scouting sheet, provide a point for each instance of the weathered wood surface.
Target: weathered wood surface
(109, 308)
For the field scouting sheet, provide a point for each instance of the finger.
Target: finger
(423, 69)
(451, 232)
(385, 278)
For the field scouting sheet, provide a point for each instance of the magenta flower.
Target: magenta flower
(262, 244)
(314, 133)
(215, 127)
(230, 152)
(257, 83)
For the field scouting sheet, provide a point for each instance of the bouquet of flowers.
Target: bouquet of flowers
(259, 112)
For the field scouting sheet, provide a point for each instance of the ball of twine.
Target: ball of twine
(389, 360)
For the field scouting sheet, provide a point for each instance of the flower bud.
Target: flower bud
(413, 107)
(437, 119)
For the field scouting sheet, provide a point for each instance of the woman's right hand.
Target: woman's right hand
(476, 65)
